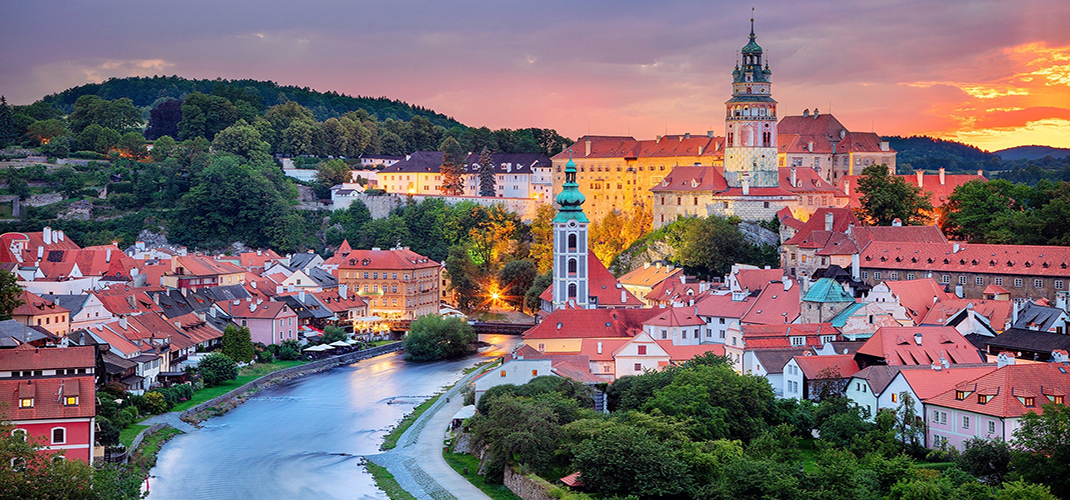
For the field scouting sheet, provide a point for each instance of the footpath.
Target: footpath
(417, 462)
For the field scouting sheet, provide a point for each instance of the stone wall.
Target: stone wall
(525, 487)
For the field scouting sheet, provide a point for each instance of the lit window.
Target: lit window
(26, 403)
(1030, 401)
(502, 373)
(895, 398)
(534, 373)
(70, 401)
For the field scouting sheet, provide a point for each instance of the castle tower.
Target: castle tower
(570, 245)
(750, 158)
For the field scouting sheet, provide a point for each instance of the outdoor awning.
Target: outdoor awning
(465, 412)
(339, 343)
(369, 319)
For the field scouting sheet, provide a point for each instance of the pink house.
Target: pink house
(991, 406)
(269, 322)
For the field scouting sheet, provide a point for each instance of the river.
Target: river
(304, 439)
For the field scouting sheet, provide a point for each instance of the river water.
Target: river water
(304, 439)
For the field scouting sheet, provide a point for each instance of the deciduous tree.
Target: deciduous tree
(164, 119)
(10, 294)
(434, 337)
(885, 197)
(216, 369)
(452, 168)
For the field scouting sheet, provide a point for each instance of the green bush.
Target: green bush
(155, 402)
(434, 337)
(217, 368)
(289, 350)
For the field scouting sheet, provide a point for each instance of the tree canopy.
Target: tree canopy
(885, 197)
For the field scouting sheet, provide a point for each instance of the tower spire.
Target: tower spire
(752, 23)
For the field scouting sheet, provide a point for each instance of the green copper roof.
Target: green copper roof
(570, 199)
(841, 319)
(827, 290)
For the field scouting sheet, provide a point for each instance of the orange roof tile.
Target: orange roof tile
(920, 345)
(1008, 388)
(591, 323)
(1027, 260)
(774, 306)
(929, 383)
(819, 367)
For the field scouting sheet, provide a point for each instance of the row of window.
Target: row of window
(48, 320)
(59, 435)
(963, 279)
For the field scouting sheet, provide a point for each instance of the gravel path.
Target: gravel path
(417, 462)
(170, 418)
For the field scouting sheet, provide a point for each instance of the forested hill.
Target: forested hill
(1031, 153)
(929, 153)
(149, 91)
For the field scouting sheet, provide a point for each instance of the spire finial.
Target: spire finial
(752, 22)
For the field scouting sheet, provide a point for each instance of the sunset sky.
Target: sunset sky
(994, 74)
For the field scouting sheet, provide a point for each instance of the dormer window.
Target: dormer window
(1057, 399)
(25, 402)
(982, 399)
(960, 395)
(1029, 401)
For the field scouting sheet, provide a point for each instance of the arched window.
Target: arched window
(59, 435)
(572, 290)
(572, 241)
(572, 266)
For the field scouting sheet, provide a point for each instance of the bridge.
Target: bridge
(480, 327)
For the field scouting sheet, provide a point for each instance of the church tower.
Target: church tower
(750, 157)
(570, 245)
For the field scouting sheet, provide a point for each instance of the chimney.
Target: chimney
(599, 347)
(122, 322)
(806, 112)
(955, 247)
(46, 234)
(980, 173)
(794, 178)
(1059, 356)
(107, 255)
(623, 296)
(687, 135)
(253, 285)
(746, 184)
(40, 253)
(846, 186)
(897, 222)
(710, 133)
(343, 291)
(917, 338)
(936, 366)
(588, 146)
(815, 113)
(941, 176)
(1004, 359)
(787, 283)
(301, 296)
(885, 146)
(944, 363)
(921, 178)
(810, 144)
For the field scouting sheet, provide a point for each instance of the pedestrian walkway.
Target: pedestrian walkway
(170, 418)
(417, 462)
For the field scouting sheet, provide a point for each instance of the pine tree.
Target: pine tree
(8, 132)
(486, 174)
(238, 343)
(452, 168)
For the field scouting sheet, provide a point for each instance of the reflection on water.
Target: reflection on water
(304, 439)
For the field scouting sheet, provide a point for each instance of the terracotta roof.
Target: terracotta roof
(45, 393)
(338, 304)
(774, 306)
(649, 275)
(927, 383)
(819, 367)
(919, 296)
(28, 357)
(198, 265)
(702, 179)
(674, 290)
(723, 306)
(757, 279)
(339, 255)
(258, 259)
(795, 133)
(676, 316)
(994, 290)
(997, 311)
(779, 336)
(682, 353)
(920, 345)
(589, 348)
(391, 259)
(431, 161)
(591, 323)
(938, 193)
(1007, 388)
(30, 242)
(250, 308)
(842, 218)
(35, 305)
(124, 301)
(1025, 260)
(807, 181)
(628, 147)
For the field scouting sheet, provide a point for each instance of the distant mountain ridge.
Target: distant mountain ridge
(146, 91)
(930, 153)
(1035, 152)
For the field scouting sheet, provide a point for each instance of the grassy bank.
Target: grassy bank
(391, 439)
(127, 435)
(463, 461)
(145, 456)
(245, 375)
(386, 482)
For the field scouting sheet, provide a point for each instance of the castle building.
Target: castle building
(750, 157)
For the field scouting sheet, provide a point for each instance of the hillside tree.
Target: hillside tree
(8, 132)
(885, 197)
(10, 294)
(238, 343)
(486, 174)
(452, 169)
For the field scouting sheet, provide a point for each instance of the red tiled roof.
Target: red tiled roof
(338, 304)
(997, 311)
(676, 316)
(649, 275)
(1025, 260)
(28, 357)
(842, 218)
(589, 348)
(673, 290)
(339, 255)
(1006, 385)
(757, 279)
(682, 353)
(819, 367)
(919, 296)
(774, 306)
(807, 181)
(197, 265)
(258, 259)
(34, 305)
(995, 290)
(938, 193)
(703, 179)
(250, 308)
(386, 259)
(124, 300)
(779, 336)
(629, 147)
(723, 306)
(591, 323)
(45, 393)
(31, 243)
(929, 383)
(897, 345)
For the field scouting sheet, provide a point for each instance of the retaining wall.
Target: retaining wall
(525, 487)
